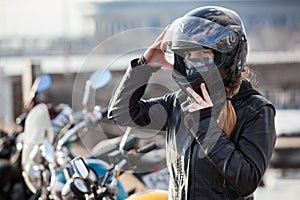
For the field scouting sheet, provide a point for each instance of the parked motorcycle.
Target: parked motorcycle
(77, 187)
(148, 164)
(148, 169)
(46, 153)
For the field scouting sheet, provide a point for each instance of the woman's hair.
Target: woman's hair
(227, 117)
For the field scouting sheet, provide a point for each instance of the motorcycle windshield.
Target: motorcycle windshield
(37, 129)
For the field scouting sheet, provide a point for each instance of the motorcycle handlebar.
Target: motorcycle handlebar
(70, 133)
(93, 117)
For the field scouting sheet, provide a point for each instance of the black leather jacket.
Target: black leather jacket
(203, 163)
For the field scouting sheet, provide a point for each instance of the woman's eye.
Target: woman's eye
(187, 55)
(205, 52)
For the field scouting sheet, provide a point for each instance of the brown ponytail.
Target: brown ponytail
(227, 117)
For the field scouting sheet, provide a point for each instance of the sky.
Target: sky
(42, 18)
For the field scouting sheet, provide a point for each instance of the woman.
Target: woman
(220, 132)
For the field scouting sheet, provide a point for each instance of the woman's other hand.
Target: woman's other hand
(199, 103)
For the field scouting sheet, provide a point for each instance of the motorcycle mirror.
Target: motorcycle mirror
(100, 78)
(80, 167)
(97, 80)
(45, 82)
(40, 84)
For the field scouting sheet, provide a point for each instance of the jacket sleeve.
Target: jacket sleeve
(244, 164)
(127, 108)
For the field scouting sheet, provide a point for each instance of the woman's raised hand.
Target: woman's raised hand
(154, 54)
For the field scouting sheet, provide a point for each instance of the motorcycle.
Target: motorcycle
(47, 154)
(149, 169)
(100, 172)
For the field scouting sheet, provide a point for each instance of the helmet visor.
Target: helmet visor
(191, 32)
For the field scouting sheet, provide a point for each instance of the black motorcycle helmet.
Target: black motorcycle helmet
(212, 27)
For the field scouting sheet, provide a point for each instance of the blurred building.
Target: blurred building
(271, 24)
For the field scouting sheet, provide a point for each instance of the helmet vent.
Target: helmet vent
(231, 40)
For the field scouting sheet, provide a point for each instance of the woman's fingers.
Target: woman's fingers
(205, 94)
(199, 103)
(161, 36)
(158, 40)
(196, 96)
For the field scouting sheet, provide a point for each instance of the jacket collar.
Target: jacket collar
(245, 90)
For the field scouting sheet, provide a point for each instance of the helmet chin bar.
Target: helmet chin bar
(194, 81)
